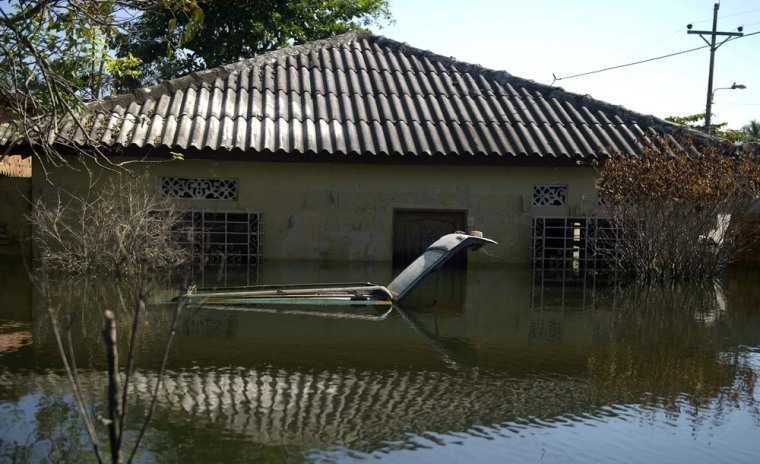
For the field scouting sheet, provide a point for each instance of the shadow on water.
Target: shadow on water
(486, 349)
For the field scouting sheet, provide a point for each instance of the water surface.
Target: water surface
(484, 365)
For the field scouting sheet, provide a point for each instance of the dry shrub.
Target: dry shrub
(679, 209)
(116, 227)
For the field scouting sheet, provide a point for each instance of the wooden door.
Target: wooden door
(415, 230)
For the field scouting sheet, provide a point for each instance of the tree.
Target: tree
(136, 245)
(680, 208)
(751, 131)
(55, 60)
(232, 33)
(55, 57)
(696, 122)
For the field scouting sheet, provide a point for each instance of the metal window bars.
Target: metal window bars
(568, 249)
(231, 238)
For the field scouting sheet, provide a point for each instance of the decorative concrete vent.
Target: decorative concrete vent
(549, 195)
(198, 189)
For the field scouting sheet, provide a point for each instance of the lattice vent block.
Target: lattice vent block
(549, 195)
(198, 189)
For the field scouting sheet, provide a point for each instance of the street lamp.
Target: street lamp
(708, 114)
(734, 86)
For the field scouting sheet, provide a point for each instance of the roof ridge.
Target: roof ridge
(501, 77)
(225, 70)
(545, 91)
(275, 55)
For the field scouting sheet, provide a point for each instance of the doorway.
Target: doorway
(415, 230)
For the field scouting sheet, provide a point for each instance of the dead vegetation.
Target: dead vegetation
(115, 227)
(679, 210)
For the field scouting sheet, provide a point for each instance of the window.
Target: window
(549, 195)
(223, 237)
(198, 189)
(567, 248)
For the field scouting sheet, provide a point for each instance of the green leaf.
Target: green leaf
(175, 43)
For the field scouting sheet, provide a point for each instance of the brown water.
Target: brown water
(480, 366)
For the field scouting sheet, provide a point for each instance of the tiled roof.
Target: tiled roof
(15, 166)
(362, 94)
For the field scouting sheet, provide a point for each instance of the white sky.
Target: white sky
(535, 39)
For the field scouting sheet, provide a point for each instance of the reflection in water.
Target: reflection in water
(498, 355)
(52, 431)
(456, 351)
(78, 304)
(15, 290)
(14, 336)
(661, 344)
(360, 409)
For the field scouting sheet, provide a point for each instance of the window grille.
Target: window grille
(549, 195)
(568, 248)
(222, 237)
(198, 189)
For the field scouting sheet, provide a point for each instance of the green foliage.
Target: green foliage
(231, 33)
(65, 45)
(56, 56)
(697, 122)
(748, 133)
(693, 120)
(751, 131)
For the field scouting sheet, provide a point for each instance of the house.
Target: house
(362, 148)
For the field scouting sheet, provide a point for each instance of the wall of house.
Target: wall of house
(15, 193)
(345, 211)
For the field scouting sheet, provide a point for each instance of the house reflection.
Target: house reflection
(493, 354)
(365, 409)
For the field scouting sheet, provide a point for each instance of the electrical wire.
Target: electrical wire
(725, 16)
(645, 61)
(737, 14)
(627, 64)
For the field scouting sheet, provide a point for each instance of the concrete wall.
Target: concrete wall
(15, 193)
(751, 255)
(345, 212)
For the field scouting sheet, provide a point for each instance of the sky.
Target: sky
(543, 39)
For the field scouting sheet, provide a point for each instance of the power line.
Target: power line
(628, 64)
(737, 14)
(726, 16)
(745, 35)
(663, 39)
(643, 61)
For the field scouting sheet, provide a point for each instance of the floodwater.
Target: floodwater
(481, 366)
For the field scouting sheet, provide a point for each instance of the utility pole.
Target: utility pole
(711, 43)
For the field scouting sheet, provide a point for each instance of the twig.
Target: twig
(114, 402)
(43, 286)
(139, 309)
(160, 373)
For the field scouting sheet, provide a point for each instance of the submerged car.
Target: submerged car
(352, 300)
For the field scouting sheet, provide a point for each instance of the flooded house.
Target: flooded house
(361, 148)
(321, 159)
